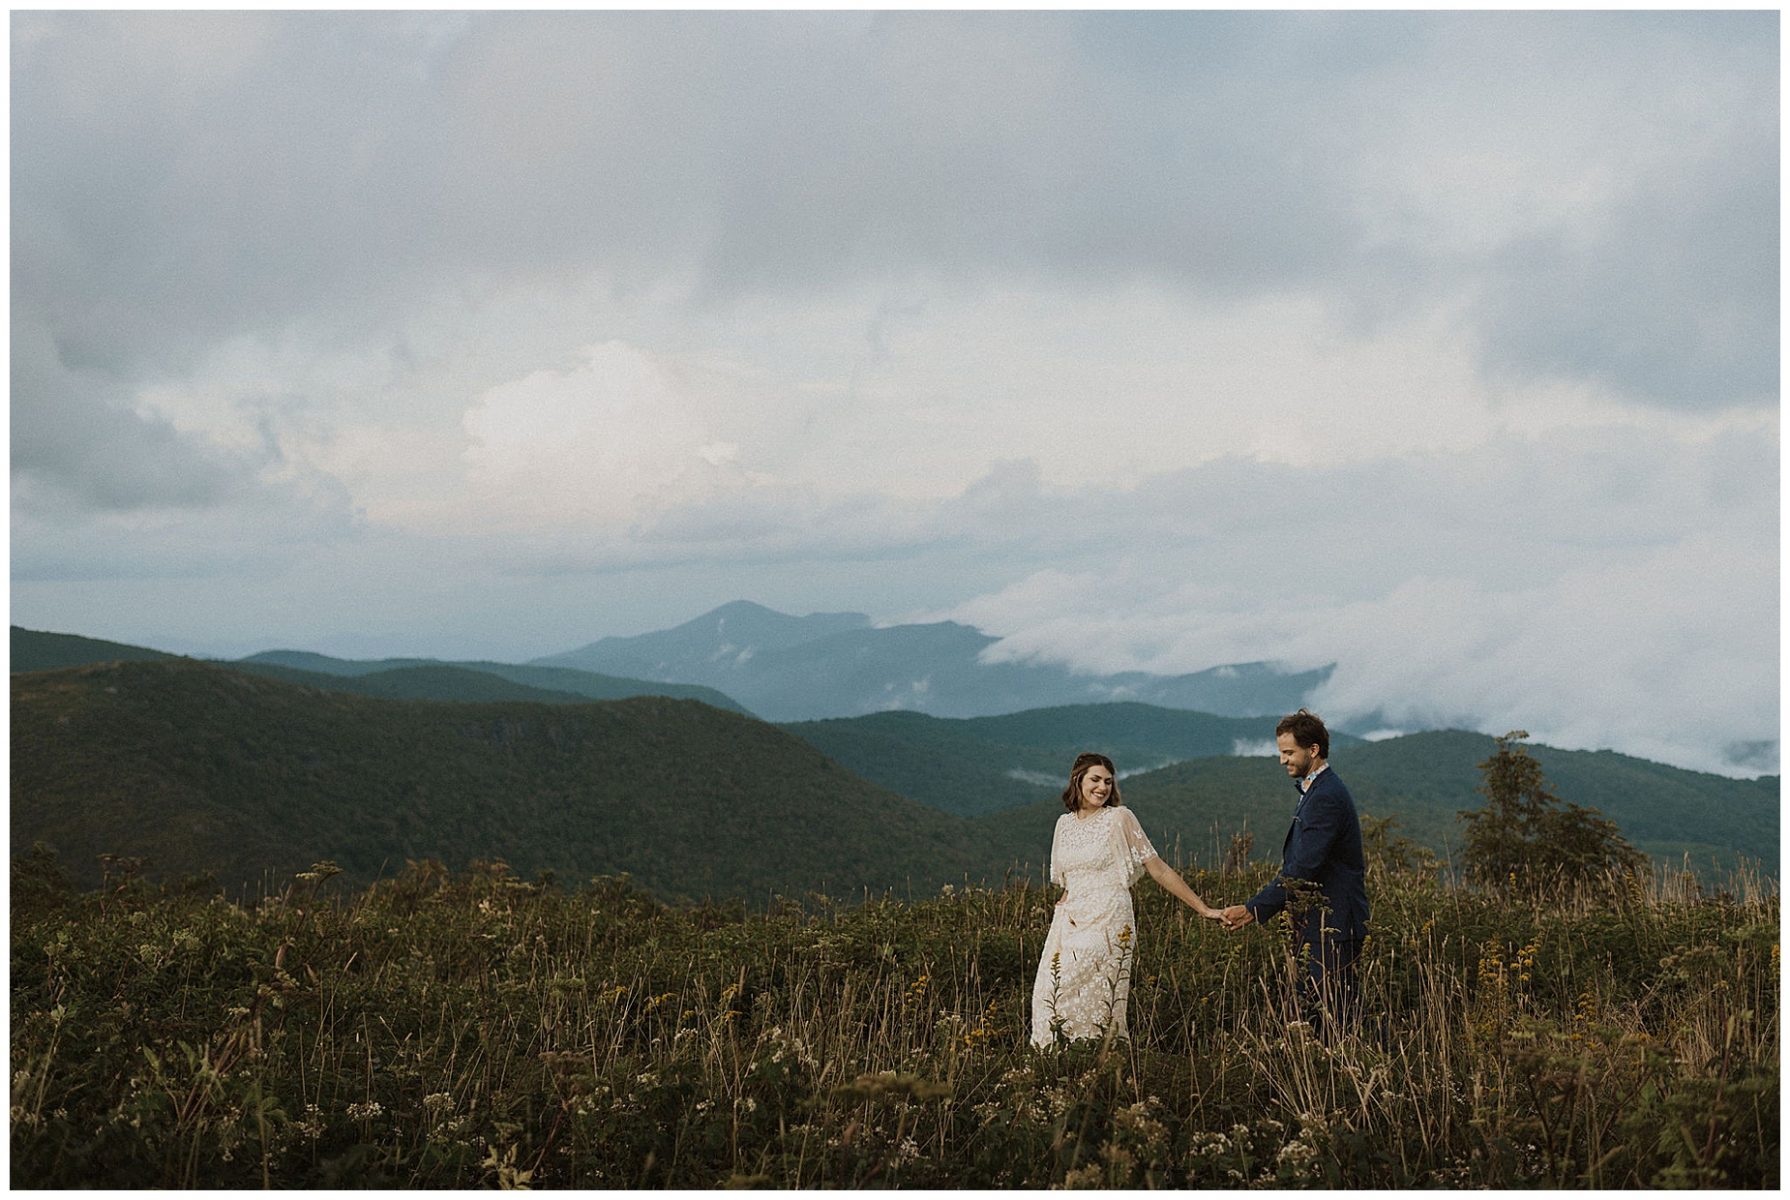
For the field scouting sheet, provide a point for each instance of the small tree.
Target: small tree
(1390, 852)
(1526, 836)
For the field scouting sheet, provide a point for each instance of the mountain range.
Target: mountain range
(787, 668)
(209, 768)
(393, 678)
(433, 679)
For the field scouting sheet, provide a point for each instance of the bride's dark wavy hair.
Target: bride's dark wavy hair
(1083, 763)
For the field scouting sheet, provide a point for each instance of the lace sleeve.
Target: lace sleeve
(1056, 867)
(1137, 847)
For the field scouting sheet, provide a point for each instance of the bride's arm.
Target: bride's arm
(1172, 882)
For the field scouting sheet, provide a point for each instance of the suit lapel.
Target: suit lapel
(1293, 825)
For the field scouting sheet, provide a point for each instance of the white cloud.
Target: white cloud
(587, 444)
(1553, 593)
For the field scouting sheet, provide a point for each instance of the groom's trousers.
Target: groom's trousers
(1329, 997)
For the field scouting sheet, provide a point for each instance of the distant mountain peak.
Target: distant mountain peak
(730, 634)
(842, 664)
(749, 612)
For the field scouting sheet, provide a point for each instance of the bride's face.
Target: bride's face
(1096, 786)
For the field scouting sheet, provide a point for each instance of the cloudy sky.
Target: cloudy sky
(1442, 347)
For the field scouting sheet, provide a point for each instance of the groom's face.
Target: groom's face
(1295, 758)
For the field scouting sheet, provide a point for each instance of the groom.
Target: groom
(1322, 861)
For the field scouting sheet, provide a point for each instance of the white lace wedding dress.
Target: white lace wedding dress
(1084, 977)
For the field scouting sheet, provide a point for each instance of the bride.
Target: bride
(1098, 851)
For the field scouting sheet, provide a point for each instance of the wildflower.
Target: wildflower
(365, 1112)
(436, 1103)
(1297, 1155)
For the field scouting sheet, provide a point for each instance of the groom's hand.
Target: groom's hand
(1236, 917)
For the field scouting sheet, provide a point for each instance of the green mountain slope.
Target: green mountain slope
(938, 761)
(976, 765)
(1423, 779)
(450, 684)
(588, 685)
(201, 768)
(33, 650)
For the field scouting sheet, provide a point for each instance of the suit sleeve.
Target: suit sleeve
(1313, 835)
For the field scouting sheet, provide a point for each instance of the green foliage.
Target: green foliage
(431, 679)
(198, 768)
(477, 1029)
(455, 684)
(1524, 836)
(33, 650)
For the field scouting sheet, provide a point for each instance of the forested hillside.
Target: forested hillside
(199, 769)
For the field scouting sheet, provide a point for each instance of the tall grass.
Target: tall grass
(477, 1029)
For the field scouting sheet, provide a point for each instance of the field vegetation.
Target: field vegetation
(480, 1029)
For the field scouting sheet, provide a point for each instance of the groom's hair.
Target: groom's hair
(1307, 730)
(1083, 764)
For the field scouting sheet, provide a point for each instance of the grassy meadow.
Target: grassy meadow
(477, 1029)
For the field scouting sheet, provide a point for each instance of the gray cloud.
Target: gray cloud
(77, 448)
(330, 170)
(274, 269)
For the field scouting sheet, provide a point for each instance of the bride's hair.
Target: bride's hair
(1084, 763)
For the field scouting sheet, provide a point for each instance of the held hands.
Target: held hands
(1236, 917)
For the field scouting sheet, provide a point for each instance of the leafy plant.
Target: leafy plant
(1525, 836)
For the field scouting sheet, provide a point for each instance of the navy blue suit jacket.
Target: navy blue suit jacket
(1324, 846)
